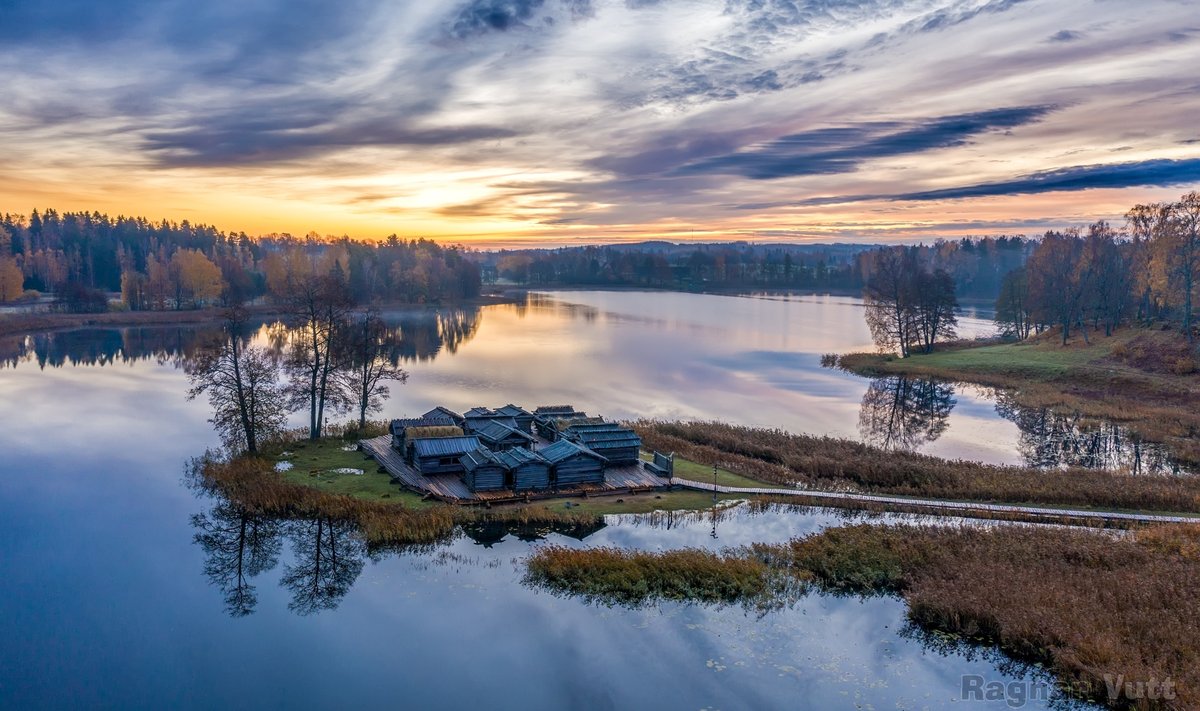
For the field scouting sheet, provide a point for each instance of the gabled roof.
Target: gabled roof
(554, 410)
(496, 430)
(517, 456)
(512, 410)
(608, 439)
(565, 449)
(476, 458)
(440, 411)
(446, 446)
(424, 421)
(479, 412)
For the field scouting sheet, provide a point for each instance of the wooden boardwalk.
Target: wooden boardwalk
(450, 488)
(963, 507)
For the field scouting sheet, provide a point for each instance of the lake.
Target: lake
(124, 588)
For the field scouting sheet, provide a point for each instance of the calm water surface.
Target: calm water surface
(124, 588)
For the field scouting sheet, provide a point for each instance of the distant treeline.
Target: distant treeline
(166, 265)
(977, 265)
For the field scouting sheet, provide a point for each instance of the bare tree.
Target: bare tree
(889, 300)
(242, 386)
(908, 306)
(934, 306)
(320, 304)
(369, 370)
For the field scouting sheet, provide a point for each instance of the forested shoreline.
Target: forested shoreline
(83, 257)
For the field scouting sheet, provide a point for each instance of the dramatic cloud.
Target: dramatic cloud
(1157, 173)
(551, 121)
(843, 150)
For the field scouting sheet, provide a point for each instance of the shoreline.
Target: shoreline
(1143, 379)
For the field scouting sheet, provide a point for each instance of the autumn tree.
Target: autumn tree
(242, 385)
(1174, 246)
(197, 279)
(1059, 280)
(1013, 314)
(1108, 298)
(369, 371)
(12, 280)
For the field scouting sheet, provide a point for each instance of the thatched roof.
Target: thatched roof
(428, 432)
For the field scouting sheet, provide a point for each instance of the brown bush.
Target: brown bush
(1088, 606)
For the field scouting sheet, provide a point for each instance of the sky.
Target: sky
(552, 122)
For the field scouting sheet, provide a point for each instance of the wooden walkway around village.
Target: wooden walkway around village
(450, 488)
(963, 507)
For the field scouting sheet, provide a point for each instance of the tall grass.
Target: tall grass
(615, 576)
(1088, 606)
(841, 464)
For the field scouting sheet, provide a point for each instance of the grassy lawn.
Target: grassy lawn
(687, 469)
(315, 464)
(1036, 360)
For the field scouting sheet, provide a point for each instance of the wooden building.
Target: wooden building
(548, 419)
(498, 435)
(440, 411)
(619, 445)
(441, 455)
(573, 464)
(523, 417)
(399, 427)
(478, 417)
(527, 470)
(483, 471)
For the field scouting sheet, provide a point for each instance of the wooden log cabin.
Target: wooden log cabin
(527, 470)
(441, 455)
(544, 417)
(483, 471)
(523, 417)
(573, 464)
(499, 436)
(619, 445)
(400, 427)
(441, 412)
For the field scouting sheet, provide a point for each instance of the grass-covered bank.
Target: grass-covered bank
(1144, 379)
(331, 478)
(253, 484)
(839, 464)
(1083, 604)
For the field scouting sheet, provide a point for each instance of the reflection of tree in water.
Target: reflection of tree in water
(237, 547)
(328, 556)
(1051, 440)
(417, 335)
(904, 413)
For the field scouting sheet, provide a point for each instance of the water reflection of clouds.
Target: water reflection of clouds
(624, 355)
